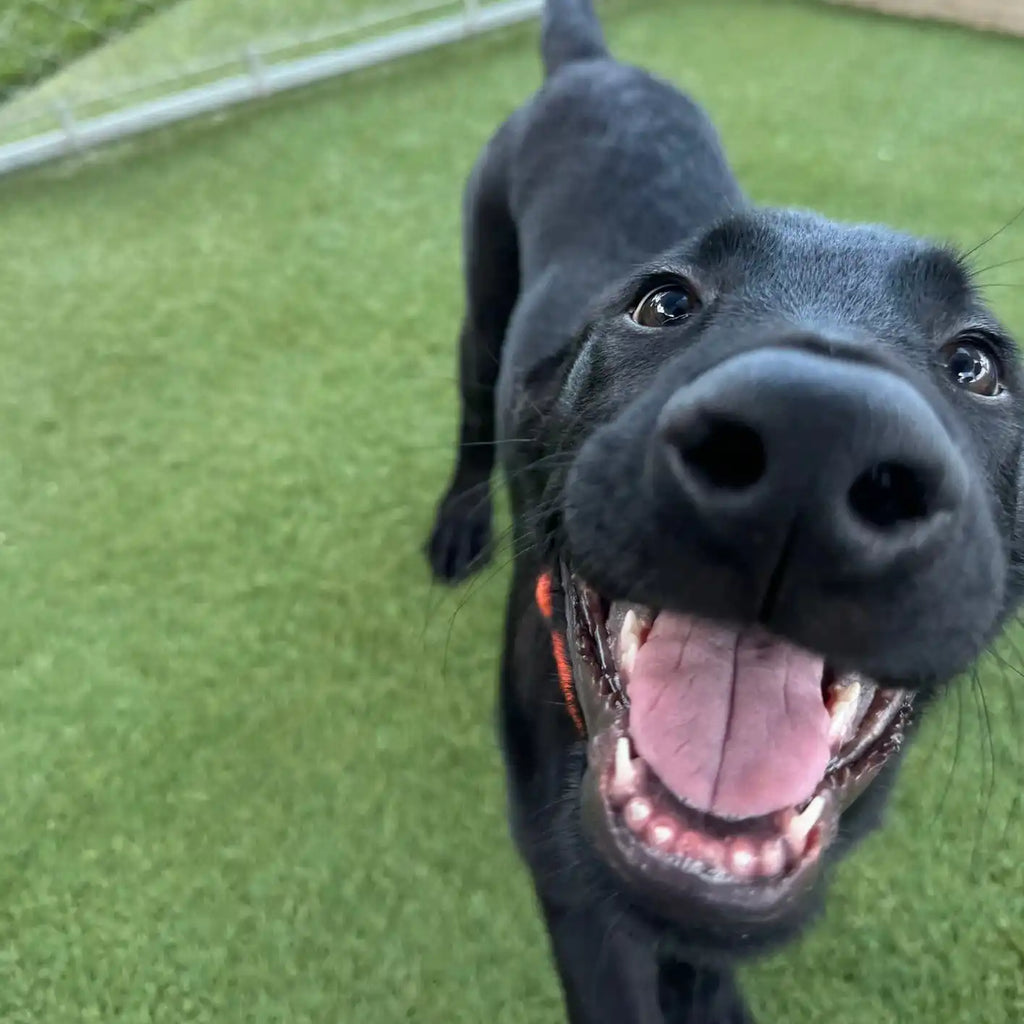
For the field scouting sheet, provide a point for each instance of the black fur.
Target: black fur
(606, 183)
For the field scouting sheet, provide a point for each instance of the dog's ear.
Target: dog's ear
(533, 409)
(541, 460)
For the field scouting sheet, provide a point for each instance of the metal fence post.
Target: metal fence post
(66, 118)
(257, 71)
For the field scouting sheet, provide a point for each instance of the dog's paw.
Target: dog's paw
(460, 542)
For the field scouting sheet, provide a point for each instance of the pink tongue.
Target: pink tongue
(733, 723)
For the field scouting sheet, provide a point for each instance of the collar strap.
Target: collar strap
(546, 605)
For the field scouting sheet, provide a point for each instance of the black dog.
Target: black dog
(764, 472)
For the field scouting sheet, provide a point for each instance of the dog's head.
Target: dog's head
(786, 517)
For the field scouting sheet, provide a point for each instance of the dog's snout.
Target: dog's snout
(847, 453)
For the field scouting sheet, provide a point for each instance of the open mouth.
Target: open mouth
(719, 759)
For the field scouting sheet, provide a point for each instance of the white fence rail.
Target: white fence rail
(260, 70)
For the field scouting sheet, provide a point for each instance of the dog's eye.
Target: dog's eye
(665, 305)
(973, 366)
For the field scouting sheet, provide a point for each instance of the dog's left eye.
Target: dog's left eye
(665, 305)
(973, 366)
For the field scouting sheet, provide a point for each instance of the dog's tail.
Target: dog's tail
(570, 32)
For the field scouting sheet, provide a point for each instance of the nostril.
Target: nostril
(890, 494)
(723, 452)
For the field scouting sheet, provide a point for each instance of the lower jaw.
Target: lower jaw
(700, 896)
(689, 895)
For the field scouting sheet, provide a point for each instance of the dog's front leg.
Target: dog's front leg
(691, 994)
(611, 975)
(460, 540)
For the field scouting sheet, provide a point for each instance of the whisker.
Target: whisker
(996, 266)
(497, 568)
(985, 725)
(474, 582)
(995, 234)
(1015, 723)
(956, 752)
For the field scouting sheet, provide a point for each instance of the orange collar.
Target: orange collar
(546, 606)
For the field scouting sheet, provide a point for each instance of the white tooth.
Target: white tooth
(627, 774)
(638, 812)
(742, 859)
(843, 712)
(627, 655)
(630, 625)
(662, 834)
(629, 640)
(799, 827)
(773, 858)
(624, 771)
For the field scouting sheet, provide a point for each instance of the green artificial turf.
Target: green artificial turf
(39, 36)
(247, 768)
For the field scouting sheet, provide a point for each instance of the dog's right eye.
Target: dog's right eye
(667, 304)
(972, 366)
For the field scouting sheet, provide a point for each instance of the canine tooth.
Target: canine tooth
(630, 626)
(773, 858)
(623, 758)
(638, 812)
(629, 640)
(662, 834)
(843, 712)
(628, 773)
(627, 656)
(800, 825)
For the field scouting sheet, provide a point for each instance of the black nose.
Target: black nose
(849, 455)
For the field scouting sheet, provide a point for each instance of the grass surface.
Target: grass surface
(246, 754)
(37, 38)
